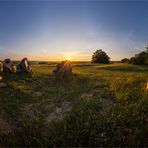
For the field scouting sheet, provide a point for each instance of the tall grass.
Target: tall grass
(92, 121)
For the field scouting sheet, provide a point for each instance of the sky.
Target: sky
(55, 30)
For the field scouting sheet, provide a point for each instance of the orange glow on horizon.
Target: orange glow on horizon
(48, 58)
(69, 58)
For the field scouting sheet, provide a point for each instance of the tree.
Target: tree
(147, 48)
(132, 60)
(125, 60)
(100, 56)
(140, 58)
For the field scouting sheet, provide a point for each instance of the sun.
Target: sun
(69, 58)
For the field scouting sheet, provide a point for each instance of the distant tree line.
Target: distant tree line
(99, 56)
(139, 59)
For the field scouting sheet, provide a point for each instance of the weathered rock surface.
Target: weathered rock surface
(8, 66)
(24, 66)
(3, 85)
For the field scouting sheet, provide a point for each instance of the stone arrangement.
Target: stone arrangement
(62, 70)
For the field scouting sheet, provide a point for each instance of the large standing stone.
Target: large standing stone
(24, 66)
(8, 66)
(3, 85)
(63, 69)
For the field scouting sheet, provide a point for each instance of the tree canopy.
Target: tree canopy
(140, 58)
(100, 56)
(125, 60)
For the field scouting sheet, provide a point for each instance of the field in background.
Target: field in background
(102, 105)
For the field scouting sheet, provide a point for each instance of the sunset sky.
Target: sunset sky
(55, 30)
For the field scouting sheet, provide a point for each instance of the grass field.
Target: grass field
(102, 105)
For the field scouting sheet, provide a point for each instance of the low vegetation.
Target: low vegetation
(102, 105)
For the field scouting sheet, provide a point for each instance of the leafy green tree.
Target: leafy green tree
(125, 60)
(100, 56)
(140, 59)
(132, 60)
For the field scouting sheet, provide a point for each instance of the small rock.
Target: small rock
(60, 112)
(66, 106)
(3, 85)
(38, 94)
(5, 127)
(52, 117)
(87, 96)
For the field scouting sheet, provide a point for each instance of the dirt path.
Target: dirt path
(60, 112)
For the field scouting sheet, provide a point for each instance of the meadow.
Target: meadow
(101, 105)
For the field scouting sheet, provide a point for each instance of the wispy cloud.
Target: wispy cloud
(80, 47)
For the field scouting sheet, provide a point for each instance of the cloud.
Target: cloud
(44, 51)
(117, 45)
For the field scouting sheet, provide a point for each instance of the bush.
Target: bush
(100, 56)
